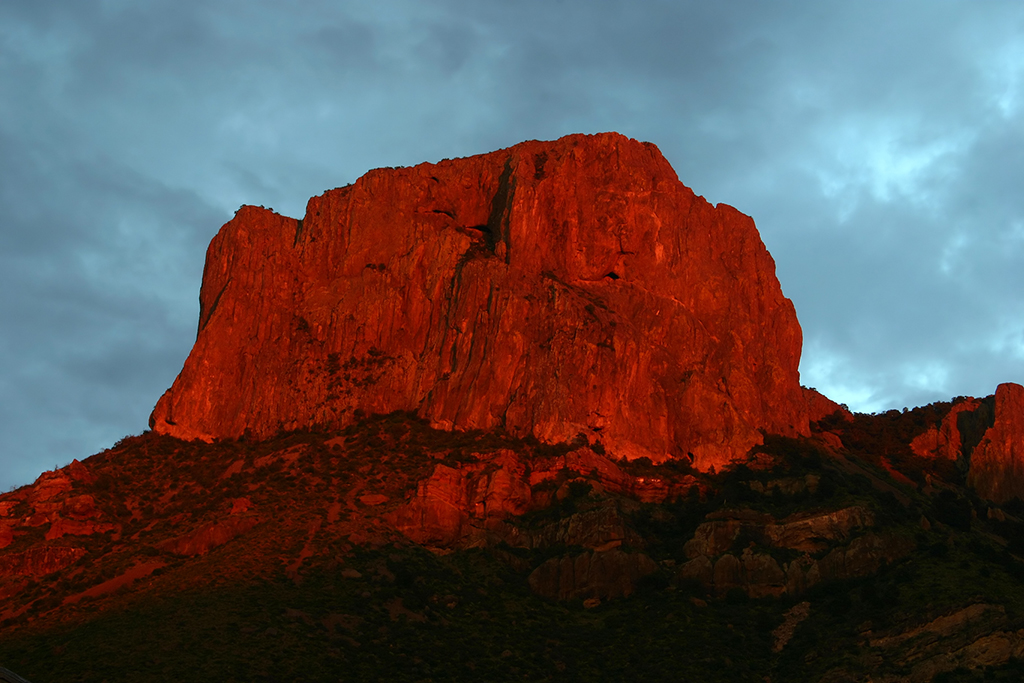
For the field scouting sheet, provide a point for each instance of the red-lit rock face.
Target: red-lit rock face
(944, 440)
(997, 463)
(557, 288)
(820, 406)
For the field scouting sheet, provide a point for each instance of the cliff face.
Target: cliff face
(555, 288)
(945, 440)
(997, 462)
(985, 437)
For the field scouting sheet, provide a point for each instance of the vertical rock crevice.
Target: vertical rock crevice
(501, 206)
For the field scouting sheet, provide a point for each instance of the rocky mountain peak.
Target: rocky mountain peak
(563, 289)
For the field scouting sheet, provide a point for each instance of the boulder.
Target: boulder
(699, 569)
(811, 532)
(601, 526)
(864, 556)
(715, 544)
(728, 574)
(48, 486)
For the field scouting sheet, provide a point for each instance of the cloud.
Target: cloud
(868, 140)
(96, 259)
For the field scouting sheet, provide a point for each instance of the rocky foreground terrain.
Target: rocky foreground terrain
(393, 551)
(533, 415)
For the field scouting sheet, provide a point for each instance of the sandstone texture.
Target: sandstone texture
(554, 288)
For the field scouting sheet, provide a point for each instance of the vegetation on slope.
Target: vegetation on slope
(321, 588)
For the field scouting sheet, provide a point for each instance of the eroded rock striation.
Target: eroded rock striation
(554, 288)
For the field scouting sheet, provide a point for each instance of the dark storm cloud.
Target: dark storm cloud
(92, 260)
(872, 142)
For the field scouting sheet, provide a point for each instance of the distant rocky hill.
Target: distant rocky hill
(531, 415)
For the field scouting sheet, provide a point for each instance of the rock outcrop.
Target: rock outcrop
(76, 516)
(457, 503)
(554, 288)
(944, 440)
(51, 501)
(810, 532)
(820, 406)
(39, 561)
(985, 436)
(971, 638)
(209, 536)
(997, 462)
(608, 574)
(733, 550)
(471, 504)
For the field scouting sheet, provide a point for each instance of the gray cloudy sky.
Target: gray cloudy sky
(878, 146)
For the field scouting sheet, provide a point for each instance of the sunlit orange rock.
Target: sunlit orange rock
(609, 574)
(944, 440)
(209, 536)
(997, 462)
(820, 406)
(465, 503)
(554, 288)
(39, 561)
(469, 504)
(63, 527)
(80, 473)
(48, 486)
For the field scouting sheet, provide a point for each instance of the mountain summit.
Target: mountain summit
(553, 289)
(529, 415)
